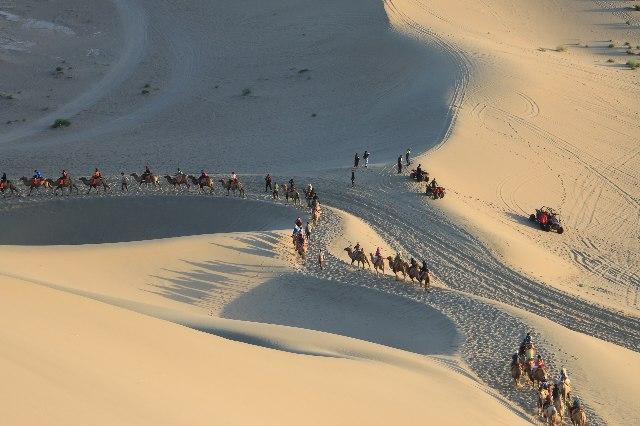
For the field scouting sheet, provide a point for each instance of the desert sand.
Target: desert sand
(174, 307)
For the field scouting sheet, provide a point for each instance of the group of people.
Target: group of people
(365, 157)
(407, 158)
(527, 355)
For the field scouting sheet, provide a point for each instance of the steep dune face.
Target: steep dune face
(546, 120)
(248, 86)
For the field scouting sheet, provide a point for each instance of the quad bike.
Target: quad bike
(424, 177)
(437, 192)
(548, 220)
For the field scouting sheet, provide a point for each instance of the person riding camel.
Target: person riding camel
(424, 267)
(357, 249)
(538, 363)
(234, 178)
(4, 178)
(291, 185)
(309, 189)
(514, 360)
(564, 377)
(96, 176)
(179, 174)
(146, 174)
(397, 260)
(37, 176)
(378, 255)
(203, 176)
(63, 177)
(414, 263)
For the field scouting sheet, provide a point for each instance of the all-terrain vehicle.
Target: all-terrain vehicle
(548, 220)
(437, 192)
(420, 177)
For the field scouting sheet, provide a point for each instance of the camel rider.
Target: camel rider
(414, 263)
(357, 248)
(575, 406)
(397, 260)
(234, 178)
(63, 177)
(525, 343)
(179, 174)
(309, 189)
(378, 255)
(424, 267)
(291, 185)
(4, 178)
(564, 377)
(538, 363)
(147, 173)
(37, 175)
(203, 176)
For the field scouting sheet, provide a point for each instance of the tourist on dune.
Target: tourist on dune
(234, 178)
(434, 184)
(365, 157)
(291, 185)
(37, 175)
(146, 174)
(356, 160)
(424, 267)
(378, 255)
(400, 164)
(203, 175)
(275, 194)
(353, 178)
(407, 156)
(4, 177)
(539, 363)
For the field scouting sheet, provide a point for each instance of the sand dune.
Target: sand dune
(173, 308)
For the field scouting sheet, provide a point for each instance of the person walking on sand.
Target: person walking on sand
(365, 157)
(124, 182)
(267, 183)
(276, 187)
(353, 178)
(407, 156)
(400, 164)
(356, 160)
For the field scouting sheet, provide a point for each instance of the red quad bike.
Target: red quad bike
(548, 220)
(438, 192)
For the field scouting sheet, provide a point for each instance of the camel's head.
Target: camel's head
(347, 249)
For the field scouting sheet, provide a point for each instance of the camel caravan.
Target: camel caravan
(96, 182)
(399, 267)
(553, 398)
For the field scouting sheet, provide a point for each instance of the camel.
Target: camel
(308, 195)
(565, 390)
(516, 371)
(68, 183)
(36, 183)
(302, 246)
(552, 415)
(95, 183)
(357, 256)
(207, 182)
(414, 273)
(577, 415)
(293, 194)
(178, 181)
(379, 265)
(315, 215)
(233, 186)
(146, 180)
(10, 186)
(557, 401)
(540, 375)
(543, 394)
(402, 267)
